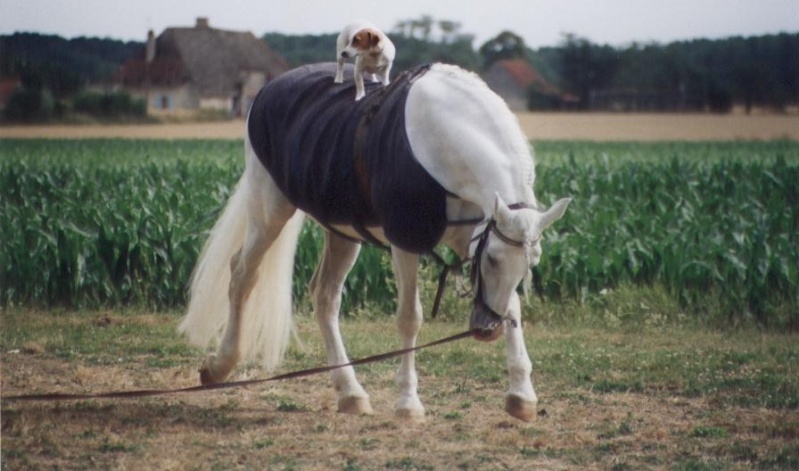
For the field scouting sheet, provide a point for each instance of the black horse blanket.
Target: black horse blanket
(346, 162)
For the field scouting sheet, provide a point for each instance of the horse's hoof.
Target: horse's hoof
(410, 415)
(488, 335)
(206, 376)
(522, 409)
(355, 405)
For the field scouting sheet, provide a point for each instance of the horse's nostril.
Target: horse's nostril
(345, 54)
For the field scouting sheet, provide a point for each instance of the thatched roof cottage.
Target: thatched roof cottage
(190, 68)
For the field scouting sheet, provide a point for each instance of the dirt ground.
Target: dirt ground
(537, 126)
(293, 425)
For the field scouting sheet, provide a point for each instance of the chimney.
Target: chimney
(150, 52)
(202, 22)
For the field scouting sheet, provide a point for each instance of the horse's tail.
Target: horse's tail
(266, 315)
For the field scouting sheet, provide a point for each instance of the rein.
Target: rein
(232, 384)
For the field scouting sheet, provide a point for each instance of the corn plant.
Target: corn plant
(116, 222)
(720, 229)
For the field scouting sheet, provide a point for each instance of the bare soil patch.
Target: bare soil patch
(537, 126)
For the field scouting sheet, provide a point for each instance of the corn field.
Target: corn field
(716, 224)
(88, 223)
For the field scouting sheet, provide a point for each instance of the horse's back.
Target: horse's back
(347, 162)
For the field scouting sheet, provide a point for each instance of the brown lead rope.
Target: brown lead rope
(233, 384)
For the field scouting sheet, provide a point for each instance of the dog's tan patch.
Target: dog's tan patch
(365, 39)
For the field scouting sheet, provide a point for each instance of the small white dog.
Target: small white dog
(372, 50)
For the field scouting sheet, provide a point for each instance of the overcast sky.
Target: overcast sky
(539, 22)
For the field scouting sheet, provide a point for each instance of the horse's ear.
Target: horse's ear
(554, 213)
(501, 210)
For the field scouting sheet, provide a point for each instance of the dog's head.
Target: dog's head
(367, 39)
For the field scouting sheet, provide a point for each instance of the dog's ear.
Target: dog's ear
(374, 39)
(357, 40)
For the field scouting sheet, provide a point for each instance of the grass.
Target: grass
(619, 395)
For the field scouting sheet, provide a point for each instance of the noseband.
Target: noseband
(482, 241)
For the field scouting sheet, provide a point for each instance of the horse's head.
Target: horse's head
(504, 253)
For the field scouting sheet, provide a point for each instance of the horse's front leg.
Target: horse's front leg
(326, 287)
(520, 400)
(409, 321)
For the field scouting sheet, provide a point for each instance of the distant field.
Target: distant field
(537, 126)
(658, 127)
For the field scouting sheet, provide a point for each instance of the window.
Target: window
(162, 102)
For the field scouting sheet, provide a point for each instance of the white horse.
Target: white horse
(468, 140)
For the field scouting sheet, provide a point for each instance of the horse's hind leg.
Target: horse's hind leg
(326, 288)
(520, 400)
(409, 321)
(267, 214)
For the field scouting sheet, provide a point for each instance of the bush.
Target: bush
(542, 101)
(29, 105)
(110, 105)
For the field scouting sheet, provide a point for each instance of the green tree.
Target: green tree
(303, 49)
(425, 40)
(586, 67)
(506, 45)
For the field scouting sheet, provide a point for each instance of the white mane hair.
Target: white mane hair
(503, 118)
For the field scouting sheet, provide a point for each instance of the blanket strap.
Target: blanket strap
(446, 267)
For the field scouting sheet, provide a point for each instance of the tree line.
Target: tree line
(696, 75)
(54, 75)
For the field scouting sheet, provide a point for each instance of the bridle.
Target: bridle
(477, 260)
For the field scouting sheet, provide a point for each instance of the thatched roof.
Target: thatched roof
(212, 59)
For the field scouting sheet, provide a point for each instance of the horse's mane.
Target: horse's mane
(501, 116)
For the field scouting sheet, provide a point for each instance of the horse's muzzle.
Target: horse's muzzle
(485, 324)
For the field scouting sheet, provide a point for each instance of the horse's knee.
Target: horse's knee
(409, 321)
(409, 326)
